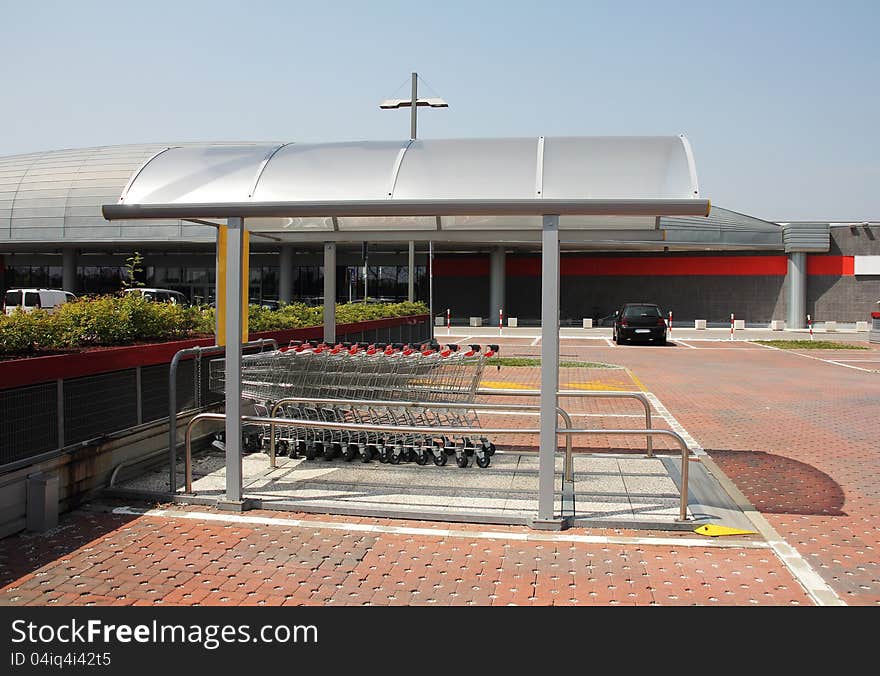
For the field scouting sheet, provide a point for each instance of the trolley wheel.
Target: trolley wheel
(462, 460)
(281, 448)
(393, 458)
(367, 454)
(410, 455)
(383, 454)
(349, 452)
(299, 450)
(440, 457)
(483, 461)
(489, 448)
(422, 457)
(332, 451)
(311, 451)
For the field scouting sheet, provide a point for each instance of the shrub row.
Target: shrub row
(115, 320)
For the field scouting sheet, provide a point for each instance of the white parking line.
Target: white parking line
(441, 532)
(679, 341)
(692, 443)
(610, 344)
(536, 341)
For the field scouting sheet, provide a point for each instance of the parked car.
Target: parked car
(29, 300)
(639, 321)
(161, 295)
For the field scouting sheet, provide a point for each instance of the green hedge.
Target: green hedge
(115, 320)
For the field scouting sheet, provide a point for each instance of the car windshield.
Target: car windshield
(632, 311)
(13, 298)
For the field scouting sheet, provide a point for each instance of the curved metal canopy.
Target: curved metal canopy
(424, 186)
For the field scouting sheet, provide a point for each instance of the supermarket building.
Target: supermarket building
(52, 234)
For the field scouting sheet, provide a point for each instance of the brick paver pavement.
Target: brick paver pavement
(795, 434)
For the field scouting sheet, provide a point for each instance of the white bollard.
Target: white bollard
(830, 327)
(861, 326)
(588, 323)
(511, 322)
(739, 324)
(476, 321)
(699, 323)
(777, 325)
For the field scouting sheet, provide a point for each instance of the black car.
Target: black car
(639, 321)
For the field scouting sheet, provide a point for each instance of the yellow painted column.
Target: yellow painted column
(220, 288)
(245, 283)
(220, 294)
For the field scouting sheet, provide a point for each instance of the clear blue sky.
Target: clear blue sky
(780, 100)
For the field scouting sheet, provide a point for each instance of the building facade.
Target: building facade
(52, 234)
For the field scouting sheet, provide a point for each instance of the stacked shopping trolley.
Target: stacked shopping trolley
(365, 386)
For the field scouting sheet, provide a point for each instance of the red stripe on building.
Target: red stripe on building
(841, 266)
(462, 266)
(649, 266)
(594, 266)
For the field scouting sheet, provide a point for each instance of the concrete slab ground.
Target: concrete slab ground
(791, 437)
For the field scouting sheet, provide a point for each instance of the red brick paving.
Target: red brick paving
(161, 561)
(797, 436)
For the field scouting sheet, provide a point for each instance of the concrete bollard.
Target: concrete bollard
(476, 321)
(588, 323)
(439, 320)
(42, 502)
(699, 323)
(511, 322)
(739, 324)
(861, 326)
(777, 325)
(830, 327)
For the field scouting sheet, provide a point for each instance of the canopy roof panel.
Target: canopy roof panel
(450, 185)
(646, 167)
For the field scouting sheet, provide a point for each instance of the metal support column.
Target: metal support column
(548, 443)
(797, 290)
(496, 283)
(234, 261)
(330, 292)
(68, 269)
(285, 274)
(411, 273)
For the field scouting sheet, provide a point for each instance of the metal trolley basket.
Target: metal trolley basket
(363, 382)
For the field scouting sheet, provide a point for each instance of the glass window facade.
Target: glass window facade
(197, 282)
(34, 276)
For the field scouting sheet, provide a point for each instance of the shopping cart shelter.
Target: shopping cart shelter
(546, 192)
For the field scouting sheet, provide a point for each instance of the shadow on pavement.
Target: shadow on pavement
(23, 553)
(775, 484)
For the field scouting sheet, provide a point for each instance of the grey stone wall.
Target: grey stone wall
(756, 299)
(847, 299)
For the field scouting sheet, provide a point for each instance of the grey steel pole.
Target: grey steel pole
(548, 443)
(234, 253)
(431, 286)
(797, 290)
(330, 293)
(68, 269)
(414, 106)
(496, 283)
(285, 274)
(411, 273)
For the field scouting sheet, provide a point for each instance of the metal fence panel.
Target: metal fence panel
(28, 421)
(100, 404)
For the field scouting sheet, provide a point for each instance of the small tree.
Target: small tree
(132, 266)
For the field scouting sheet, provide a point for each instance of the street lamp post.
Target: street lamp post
(413, 103)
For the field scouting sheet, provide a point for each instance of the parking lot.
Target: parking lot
(790, 435)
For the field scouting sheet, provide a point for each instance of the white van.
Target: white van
(31, 299)
(161, 295)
